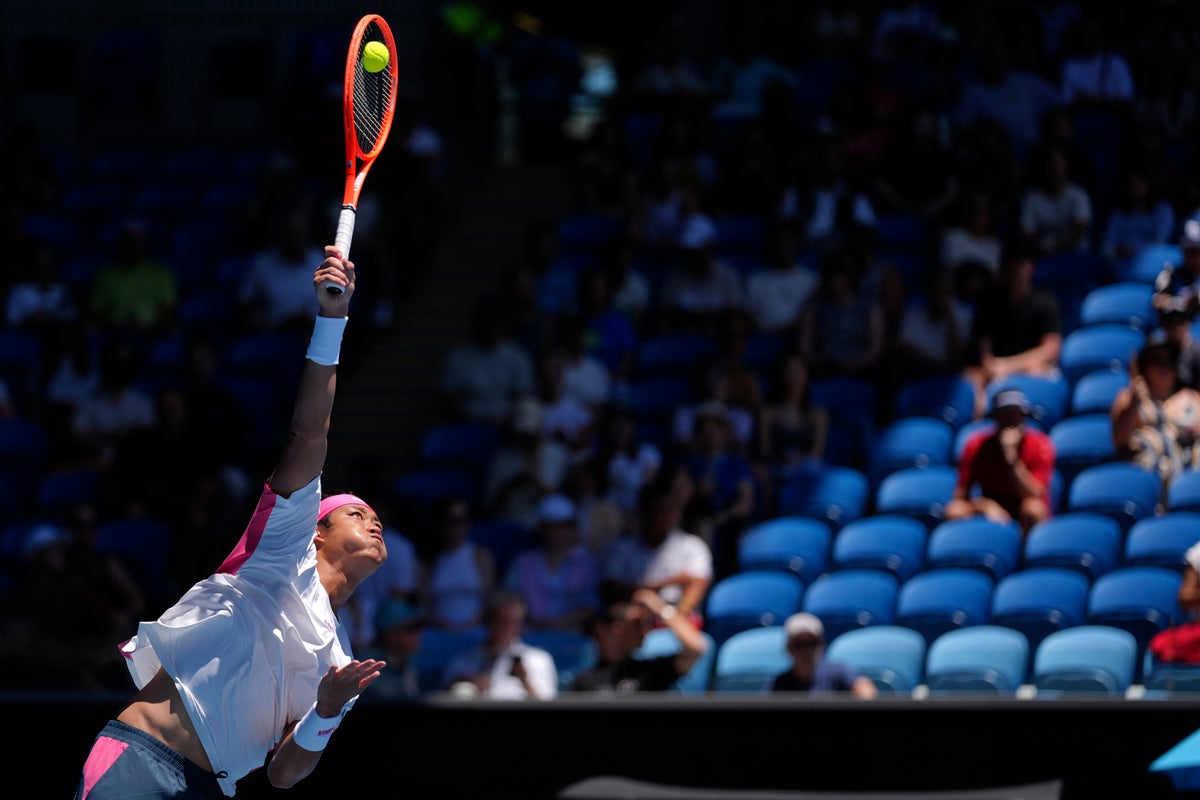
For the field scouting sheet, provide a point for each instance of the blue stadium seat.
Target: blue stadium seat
(23, 441)
(741, 232)
(1087, 658)
(572, 651)
(420, 488)
(748, 661)
(1184, 492)
(672, 354)
(942, 600)
(1123, 303)
(663, 641)
(1120, 490)
(851, 404)
(1038, 601)
(143, 545)
(460, 445)
(977, 543)
(799, 545)
(60, 490)
(981, 659)
(587, 231)
(1049, 398)
(503, 539)
(1140, 600)
(757, 598)
(20, 365)
(1162, 541)
(836, 495)
(1098, 347)
(1095, 392)
(267, 353)
(1171, 678)
(921, 493)
(892, 543)
(1145, 265)
(850, 599)
(893, 657)
(909, 442)
(946, 397)
(1082, 541)
(1082, 441)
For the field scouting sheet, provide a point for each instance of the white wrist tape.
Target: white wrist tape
(312, 732)
(326, 343)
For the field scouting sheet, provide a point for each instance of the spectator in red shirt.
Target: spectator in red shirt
(1012, 466)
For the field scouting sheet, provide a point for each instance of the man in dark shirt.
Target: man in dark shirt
(1017, 328)
(619, 631)
(1179, 282)
(810, 672)
(1175, 319)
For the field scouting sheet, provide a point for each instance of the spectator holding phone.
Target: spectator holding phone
(502, 667)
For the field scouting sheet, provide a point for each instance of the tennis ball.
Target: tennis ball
(375, 56)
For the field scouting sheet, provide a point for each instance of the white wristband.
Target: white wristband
(312, 732)
(326, 343)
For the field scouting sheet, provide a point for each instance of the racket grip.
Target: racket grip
(343, 237)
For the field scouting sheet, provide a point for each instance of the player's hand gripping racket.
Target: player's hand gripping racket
(368, 103)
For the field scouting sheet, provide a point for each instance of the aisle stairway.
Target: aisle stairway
(389, 397)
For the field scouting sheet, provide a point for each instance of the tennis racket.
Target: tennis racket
(368, 104)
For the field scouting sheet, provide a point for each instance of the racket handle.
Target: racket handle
(345, 233)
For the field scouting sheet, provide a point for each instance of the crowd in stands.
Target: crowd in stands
(769, 247)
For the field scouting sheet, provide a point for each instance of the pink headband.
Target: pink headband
(337, 501)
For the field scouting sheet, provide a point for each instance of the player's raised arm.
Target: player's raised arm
(303, 456)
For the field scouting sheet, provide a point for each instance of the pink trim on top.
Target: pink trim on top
(251, 536)
(105, 753)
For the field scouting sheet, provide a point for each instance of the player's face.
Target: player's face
(355, 530)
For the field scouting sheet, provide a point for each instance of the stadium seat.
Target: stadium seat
(20, 365)
(1120, 490)
(460, 445)
(1147, 263)
(1095, 392)
(941, 600)
(836, 495)
(1162, 541)
(1086, 658)
(909, 442)
(23, 441)
(1038, 601)
(1048, 397)
(1083, 541)
(1123, 303)
(949, 398)
(1082, 441)
(795, 544)
(851, 404)
(1171, 678)
(1184, 492)
(741, 232)
(269, 353)
(587, 231)
(438, 647)
(757, 598)
(977, 543)
(891, 656)
(503, 539)
(652, 402)
(983, 659)
(749, 660)
(60, 490)
(851, 599)
(672, 354)
(572, 651)
(1097, 347)
(144, 546)
(420, 488)
(920, 493)
(663, 641)
(892, 543)
(1140, 600)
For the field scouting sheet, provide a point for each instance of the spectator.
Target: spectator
(1155, 419)
(1175, 320)
(459, 574)
(1095, 75)
(917, 175)
(777, 292)
(483, 378)
(272, 295)
(584, 377)
(116, 407)
(604, 174)
(702, 287)
(629, 460)
(1011, 466)
(1181, 281)
(397, 627)
(827, 209)
(933, 333)
(525, 468)
(566, 417)
(41, 301)
(1056, 212)
(620, 629)
(503, 667)
(810, 671)
(631, 290)
(715, 382)
(741, 78)
(559, 577)
(135, 292)
(660, 555)
(609, 333)
(969, 247)
(1017, 328)
(841, 329)
(791, 431)
(1141, 217)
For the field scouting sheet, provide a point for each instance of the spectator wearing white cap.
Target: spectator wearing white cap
(1011, 465)
(559, 576)
(810, 672)
(701, 288)
(1181, 281)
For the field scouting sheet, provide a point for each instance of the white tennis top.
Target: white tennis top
(248, 645)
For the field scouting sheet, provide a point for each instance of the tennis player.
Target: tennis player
(251, 666)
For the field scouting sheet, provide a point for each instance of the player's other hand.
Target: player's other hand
(334, 269)
(340, 686)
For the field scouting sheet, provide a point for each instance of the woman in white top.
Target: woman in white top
(460, 575)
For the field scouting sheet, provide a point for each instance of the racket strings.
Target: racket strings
(372, 96)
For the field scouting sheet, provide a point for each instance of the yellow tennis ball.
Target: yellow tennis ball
(375, 56)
